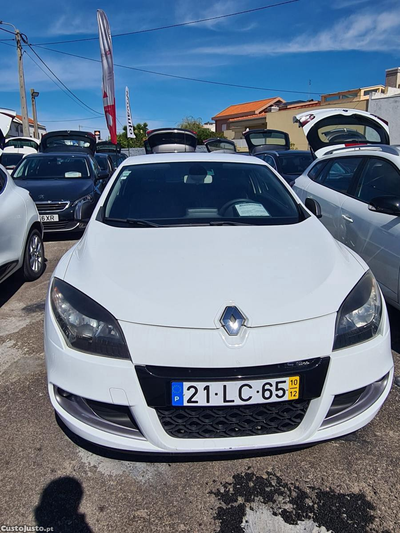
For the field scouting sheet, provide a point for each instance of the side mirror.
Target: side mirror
(390, 205)
(83, 211)
(313, 206)
(102, 175)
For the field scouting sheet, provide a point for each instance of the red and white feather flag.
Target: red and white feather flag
(107, 64)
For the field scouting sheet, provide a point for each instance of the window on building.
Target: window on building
(349, 95)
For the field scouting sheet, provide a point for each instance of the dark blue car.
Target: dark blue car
(289, 163)
(273, 147)
(63, 179)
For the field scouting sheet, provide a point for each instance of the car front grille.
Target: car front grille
(238, 421)
(51, 207)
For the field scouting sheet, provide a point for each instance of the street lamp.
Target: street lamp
(34, 95)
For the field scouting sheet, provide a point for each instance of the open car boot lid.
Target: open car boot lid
(262, 140)
(220, 145)
(166, 140)
(106, 147)
(328, 129)
(68, 141)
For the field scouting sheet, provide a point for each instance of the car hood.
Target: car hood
(56, 190)
(186, 276)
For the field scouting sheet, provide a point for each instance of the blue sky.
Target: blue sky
(338, 45)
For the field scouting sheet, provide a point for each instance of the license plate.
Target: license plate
(49, 218)
(216, 393)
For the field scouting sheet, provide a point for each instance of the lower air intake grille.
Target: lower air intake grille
(57, 226)
(239, 421)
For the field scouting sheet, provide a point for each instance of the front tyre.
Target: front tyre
(34, 261)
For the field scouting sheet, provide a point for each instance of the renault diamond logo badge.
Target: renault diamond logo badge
(232, 320)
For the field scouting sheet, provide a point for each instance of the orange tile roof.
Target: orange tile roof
(247, 107)
(30, 120)
(247, 117)
(19, 117)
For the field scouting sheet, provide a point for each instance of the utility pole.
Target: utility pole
(22, 92)
(34, 95)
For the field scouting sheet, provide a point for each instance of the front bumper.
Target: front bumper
(88, 378)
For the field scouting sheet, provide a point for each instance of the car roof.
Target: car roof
(52, 154)
(191, 157)
(389, 151)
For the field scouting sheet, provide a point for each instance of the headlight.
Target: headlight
(86, 325)
(360, 314)
(87, 198)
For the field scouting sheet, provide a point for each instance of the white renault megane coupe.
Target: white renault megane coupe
(206, 309)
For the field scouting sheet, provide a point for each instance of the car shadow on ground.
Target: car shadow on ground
(58, 507)
(62, 236)
(9, 287)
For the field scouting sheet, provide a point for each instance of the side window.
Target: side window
(315, 171)
(339, 173)
(270, 160)
(3, 181)
(95, 166)
(380, 178)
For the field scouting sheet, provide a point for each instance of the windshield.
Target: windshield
(52, 167)
(117, 158)
(21, 143)
(192, 193)
(102, 162)
(294, 164)
(10, 160)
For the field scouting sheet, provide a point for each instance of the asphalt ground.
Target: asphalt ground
(49, 479)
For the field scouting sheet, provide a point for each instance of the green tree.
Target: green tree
(140, 134)
(196, 124)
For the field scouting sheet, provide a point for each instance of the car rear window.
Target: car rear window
(294, 164)
(52, 167)
(9, 160)
(22, 143)
(200, 192)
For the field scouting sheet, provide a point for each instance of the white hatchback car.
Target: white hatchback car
(176, 325)
(21, 244)
(357, 185)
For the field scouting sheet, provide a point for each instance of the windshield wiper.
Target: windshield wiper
(228, 223)
(133, 222)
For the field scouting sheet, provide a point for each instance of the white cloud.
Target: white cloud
(366, 31)
(343, 4)
(188, 11)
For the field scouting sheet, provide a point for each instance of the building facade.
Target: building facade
(275, 113)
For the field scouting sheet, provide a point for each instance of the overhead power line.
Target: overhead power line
(59, 86)
(7, 44)
(7, 31)
(178, 25)
(81, 102)
(186, 78)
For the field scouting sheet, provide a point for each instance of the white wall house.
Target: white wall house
(387, 105)
(16, 128)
